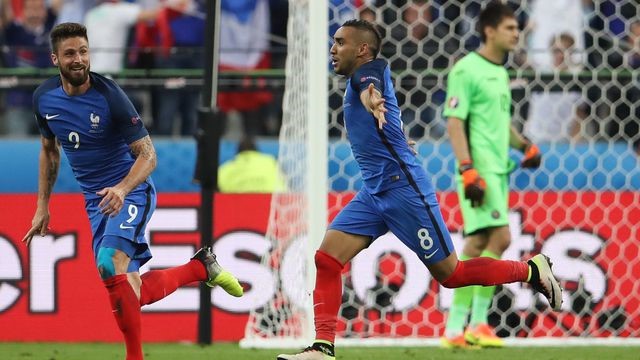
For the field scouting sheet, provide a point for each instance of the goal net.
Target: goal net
(297, 218)
(575, 89)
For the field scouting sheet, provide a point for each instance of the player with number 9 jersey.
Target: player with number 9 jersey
(112, 157)
(95, 129)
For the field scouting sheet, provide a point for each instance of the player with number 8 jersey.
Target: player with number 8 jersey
(397, 196)
(112, 158)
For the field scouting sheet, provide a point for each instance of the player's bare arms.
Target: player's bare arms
(146, 161)
(49, 164)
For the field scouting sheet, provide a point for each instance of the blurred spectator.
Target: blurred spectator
(5, 18)
(144, 37)
(616, 14)
(610, 48)
(608, 22)
(73, 10)
(27, 43)
(549, 18)
(6, 13)
(632, 42)
(417, 16)
(557, 115)
(244, 46)
(108, 26)
(625, 98)
(142, 55)
(368, 14)
(181, 26)
(414, 40)
(278, 18)
(250, 171)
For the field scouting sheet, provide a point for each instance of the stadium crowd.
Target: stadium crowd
(589, 41)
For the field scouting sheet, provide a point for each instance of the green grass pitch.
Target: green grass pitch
(224, 351)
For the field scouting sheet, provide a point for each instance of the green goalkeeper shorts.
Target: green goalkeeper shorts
(494, 209)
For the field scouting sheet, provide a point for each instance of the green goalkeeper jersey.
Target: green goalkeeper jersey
(478, 94)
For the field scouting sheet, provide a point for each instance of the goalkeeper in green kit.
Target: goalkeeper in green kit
(479, 124)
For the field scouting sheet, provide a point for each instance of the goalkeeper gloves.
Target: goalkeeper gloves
(532, 156)
(474, 185)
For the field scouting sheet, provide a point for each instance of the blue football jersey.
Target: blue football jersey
(94, 130)
(385, 159)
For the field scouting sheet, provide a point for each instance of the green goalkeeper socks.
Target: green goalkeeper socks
(460, 308)
(482, 297)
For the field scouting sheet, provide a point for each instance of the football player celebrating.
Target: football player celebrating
(397, 196)
(112, 157)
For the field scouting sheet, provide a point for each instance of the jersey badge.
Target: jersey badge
(453, 102)
(369, 77)
(95, 123)
(95, 120)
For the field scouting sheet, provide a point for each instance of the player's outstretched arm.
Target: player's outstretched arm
(49, 164)
(374, 103)
(113, 197)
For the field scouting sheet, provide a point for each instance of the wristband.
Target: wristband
(465, 165)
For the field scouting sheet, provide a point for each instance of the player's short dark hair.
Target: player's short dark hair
(65, 31)
(364, 25)
(247, 143)
(492, 15)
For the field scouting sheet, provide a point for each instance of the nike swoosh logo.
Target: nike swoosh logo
(124, 227)
(49, 117)
(429, 256)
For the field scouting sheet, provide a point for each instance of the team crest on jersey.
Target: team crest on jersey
(95, 122)
(453, 102)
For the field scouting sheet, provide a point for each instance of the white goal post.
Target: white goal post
(298, 216)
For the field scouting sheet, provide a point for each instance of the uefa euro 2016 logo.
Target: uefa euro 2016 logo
(95, 120)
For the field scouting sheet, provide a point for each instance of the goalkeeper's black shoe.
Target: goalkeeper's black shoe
(317, 351)
(543, 281)
(217, 275)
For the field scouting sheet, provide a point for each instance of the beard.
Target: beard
(75, 78)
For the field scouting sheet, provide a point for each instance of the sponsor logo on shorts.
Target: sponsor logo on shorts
(125, 227)
(495, 214)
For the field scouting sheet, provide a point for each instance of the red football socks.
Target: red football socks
(157, 284)
(327, 295)
(126, 309)
(487, 271)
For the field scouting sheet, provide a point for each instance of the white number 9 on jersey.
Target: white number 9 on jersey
(74, 137)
